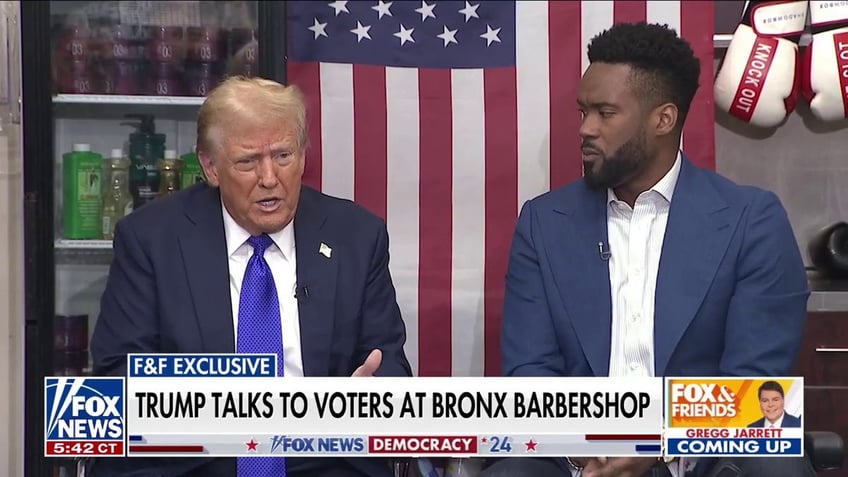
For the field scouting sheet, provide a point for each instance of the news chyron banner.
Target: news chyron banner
(233, 405)
(734, 416)
(225, 405)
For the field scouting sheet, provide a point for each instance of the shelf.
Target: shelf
(134, 100)
(65, 244)
(722, 40)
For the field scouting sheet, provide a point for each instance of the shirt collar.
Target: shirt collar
(236, 236)
(664, 187)
(776, 423)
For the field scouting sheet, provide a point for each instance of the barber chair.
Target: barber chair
(825, 451)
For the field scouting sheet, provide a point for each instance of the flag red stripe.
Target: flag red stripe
(698, 24)
(370, 143)
(629, 12)
(501, 112)
(565, 57)
(307, 76)
(435, 222)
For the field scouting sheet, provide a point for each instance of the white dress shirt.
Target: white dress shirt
(635, 236)
(776, 424)
(281, 259)
(635, 244)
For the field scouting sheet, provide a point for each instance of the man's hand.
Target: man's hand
(619, 467)
(370, 366)
(590, 463)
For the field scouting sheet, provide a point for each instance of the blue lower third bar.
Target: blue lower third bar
(136, 439)
(735, 447)
(648, 448)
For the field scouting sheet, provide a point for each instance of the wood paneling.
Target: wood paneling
(820, 362)
(826, 377)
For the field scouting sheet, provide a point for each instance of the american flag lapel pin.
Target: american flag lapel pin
(325, 250)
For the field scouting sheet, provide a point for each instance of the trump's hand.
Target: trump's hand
(619, 467)
(370, 366)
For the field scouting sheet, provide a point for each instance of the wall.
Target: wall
(11, 252)
(803, 161)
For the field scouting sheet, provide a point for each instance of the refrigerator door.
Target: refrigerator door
(127, 80)
(11, 242)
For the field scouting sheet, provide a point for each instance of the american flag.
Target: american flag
(443, 117)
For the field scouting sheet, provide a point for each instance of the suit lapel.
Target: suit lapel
(696, 238)
(204, 249)
(582, 277)
(317, 273)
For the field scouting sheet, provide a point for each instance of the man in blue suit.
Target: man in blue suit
(648, 265)
(187, 275)
(772, 403)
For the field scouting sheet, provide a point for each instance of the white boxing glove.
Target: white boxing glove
(759, 79)
(825, 71)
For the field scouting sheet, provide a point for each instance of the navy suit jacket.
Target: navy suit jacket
(788, 421)
(168, 291)
(731, 290)
(731, 295)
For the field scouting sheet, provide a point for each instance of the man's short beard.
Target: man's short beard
(618, 168)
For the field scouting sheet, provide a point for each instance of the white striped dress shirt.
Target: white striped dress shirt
(635, 238)
(635, 243)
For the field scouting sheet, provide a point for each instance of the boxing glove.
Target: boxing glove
(825, 71)
(759, 79)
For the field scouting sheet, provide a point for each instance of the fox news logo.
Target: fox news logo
(317, 445)
(84, 416)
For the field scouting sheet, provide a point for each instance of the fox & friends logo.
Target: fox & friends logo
(700, 401)
(84, 416)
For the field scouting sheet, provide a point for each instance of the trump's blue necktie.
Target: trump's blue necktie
(260, 331)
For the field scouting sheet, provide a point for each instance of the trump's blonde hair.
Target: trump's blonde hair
(239, 98)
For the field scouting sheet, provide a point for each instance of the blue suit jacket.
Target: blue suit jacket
(788, 421)
(731, 290)
(731, 295)
(168, 291)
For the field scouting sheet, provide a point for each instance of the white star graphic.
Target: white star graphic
(426, 10)
(405, 35)
(491, 35)
(470, 11)
(318, 29)
(382, 8)
(361, 31)
(448, 36)
(339, 6)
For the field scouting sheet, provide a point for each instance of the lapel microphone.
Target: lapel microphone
(604, 251)
(301, 293)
